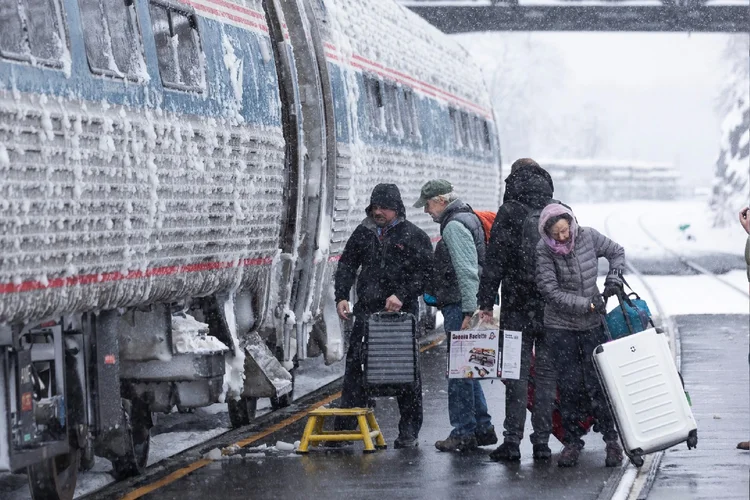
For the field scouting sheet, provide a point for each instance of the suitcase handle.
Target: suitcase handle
(391, 315)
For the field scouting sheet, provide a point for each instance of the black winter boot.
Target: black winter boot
(614, 454)
(542, 452)
(506, 452)
(486, 437)
(569, 455)
(405, 442)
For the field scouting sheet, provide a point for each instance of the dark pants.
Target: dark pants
(353, 394)
(516, 391)
(580, 392)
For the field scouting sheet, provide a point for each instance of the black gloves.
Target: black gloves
(612, 288)
(598, 305)
(613, 283)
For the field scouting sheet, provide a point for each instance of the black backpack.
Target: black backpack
(529, 238)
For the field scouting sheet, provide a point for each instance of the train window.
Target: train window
(392, 114)
(177, 46)
(466, 130)
(476, 126)
(409, 116)
(32, 30)
(404, 108)
(486, 135)
(374, 94)
(112, 38)
(455, 117)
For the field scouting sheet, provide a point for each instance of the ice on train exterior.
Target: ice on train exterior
(177, 181)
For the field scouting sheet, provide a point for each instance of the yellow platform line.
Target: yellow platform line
(179, 473)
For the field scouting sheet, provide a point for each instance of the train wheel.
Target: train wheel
(138, 423)
(54, 478)
(242, 411)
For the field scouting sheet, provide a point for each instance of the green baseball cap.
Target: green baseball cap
(431, 189)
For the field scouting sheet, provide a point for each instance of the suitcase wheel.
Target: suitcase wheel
(692, 440)
(637, 460)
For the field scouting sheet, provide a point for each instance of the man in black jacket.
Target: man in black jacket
(510, 260)
(395, 258)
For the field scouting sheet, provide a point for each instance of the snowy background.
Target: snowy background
(651, 97)
(674, 98)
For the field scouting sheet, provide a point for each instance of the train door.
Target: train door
(307, 109)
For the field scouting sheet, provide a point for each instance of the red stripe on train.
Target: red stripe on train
(90, 279)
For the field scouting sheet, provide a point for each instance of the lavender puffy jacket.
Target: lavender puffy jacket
(567, 282)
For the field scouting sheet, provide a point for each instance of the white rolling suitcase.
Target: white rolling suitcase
(645, 394)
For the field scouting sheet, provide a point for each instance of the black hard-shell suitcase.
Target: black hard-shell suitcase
(391, 354)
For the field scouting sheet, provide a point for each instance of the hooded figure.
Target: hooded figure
(548, 218)
(510, 261)
(394, 259)
(386, 196)
(528, 187)
(567, 269)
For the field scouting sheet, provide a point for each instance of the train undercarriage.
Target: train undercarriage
(76, 387)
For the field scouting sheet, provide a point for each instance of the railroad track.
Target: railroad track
(690, 263)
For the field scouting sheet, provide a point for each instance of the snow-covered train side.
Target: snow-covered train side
(409, 105)
(178, 181)
(124, 187)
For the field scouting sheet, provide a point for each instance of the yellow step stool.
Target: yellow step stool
(368, 429)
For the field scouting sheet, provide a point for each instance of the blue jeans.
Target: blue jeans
(467, 408)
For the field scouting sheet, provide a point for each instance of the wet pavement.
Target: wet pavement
(416, 473)
(715, 370)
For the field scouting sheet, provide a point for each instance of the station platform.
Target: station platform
(716, 374)
(715, 370)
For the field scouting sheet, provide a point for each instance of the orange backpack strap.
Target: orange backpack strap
(487, 219)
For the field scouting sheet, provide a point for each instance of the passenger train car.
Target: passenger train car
(179, 178)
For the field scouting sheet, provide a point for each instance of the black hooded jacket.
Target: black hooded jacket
(522, 306)
(396, 264)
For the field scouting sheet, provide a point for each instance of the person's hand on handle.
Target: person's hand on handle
(612, 288)
(597, 304)
(745, 219)
(393, 304)
(486, 316)
(342, 308)
(466, 323)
